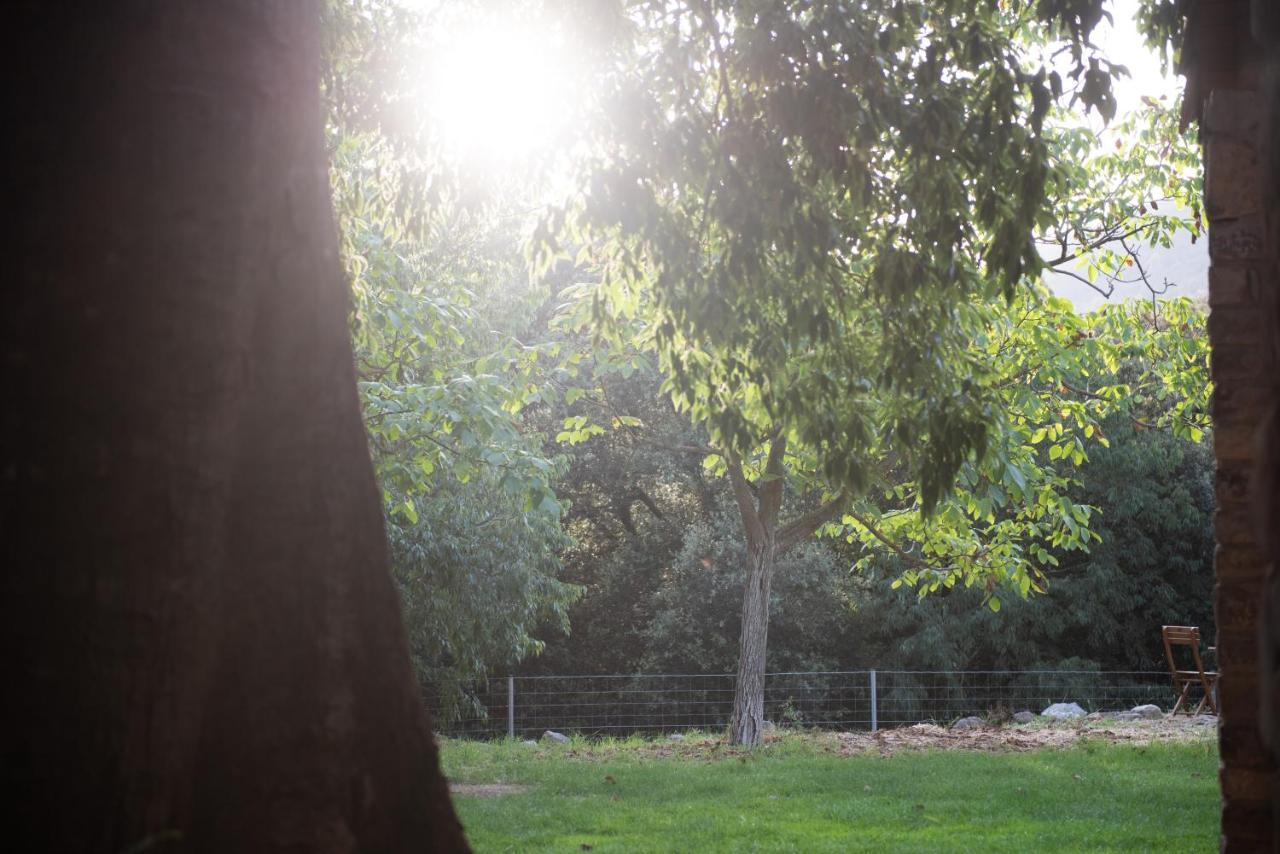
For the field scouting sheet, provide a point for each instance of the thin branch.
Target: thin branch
(800, 529)
(1106, 294)
(1155, 309)
(1146, 425)
(1109, 236)
(772, 488)
(648, 501)
(683, 448)
(746, 502)
(882, 537)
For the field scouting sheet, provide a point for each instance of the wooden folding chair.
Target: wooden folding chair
(1185, 680)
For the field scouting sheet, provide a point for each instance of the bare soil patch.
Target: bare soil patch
(1027, 737)
(1043, 734)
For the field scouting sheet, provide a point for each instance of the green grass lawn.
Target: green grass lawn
(797, 795)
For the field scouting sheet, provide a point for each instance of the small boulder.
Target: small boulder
(557, 737)
(768, 727)
(969, 723)
(1148, 712)
(1023, 717)
(1064, 711)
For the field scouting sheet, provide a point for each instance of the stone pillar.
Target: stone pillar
(1242, 329)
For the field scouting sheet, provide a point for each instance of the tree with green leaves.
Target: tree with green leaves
(1151, 565)
(444, 379)
(663, 586)
(449, 358)
(812, 222)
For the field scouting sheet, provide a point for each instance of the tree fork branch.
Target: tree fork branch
(746, 502)
(772, 488)
(647, 500)
(800, 529)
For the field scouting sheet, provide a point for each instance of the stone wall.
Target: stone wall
(1242, 332)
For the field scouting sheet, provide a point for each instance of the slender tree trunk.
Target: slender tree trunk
(759, 509)
(759, 512)
(747, 724)
(203, 646)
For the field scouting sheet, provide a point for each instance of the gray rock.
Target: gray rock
(1148, 712)
(529, 743)
(1124, 716)
(969, 723)
(1023, 717)
(1063, 711)
(675, 736)
(768, 727)
(557, 737)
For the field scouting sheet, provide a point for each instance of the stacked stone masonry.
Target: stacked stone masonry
(1242, 294)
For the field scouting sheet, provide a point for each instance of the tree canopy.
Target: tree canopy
(444, 320)
(827, 234)
(825, 225)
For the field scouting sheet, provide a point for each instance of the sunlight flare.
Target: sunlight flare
(502, 92)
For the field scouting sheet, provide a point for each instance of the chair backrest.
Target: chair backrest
(1182, 636)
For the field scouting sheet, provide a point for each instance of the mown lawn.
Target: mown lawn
(795, 795)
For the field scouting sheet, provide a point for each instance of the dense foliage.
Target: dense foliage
(799, 288)
(664, 598)
(793, 201)
(1028, 372)
(445, 331)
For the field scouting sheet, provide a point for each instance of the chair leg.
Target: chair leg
(1182, 698)
(1211, 695)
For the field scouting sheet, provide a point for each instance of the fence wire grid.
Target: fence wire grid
(520, 706)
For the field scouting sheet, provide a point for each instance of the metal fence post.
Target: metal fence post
(875, 723)
(511, 707)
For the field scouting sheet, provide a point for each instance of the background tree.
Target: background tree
(450, 352)
(1152, 565)
(662, 599)
(696, 612)
(829, 338)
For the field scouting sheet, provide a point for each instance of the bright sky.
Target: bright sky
(1185, 264)
(1122, 43)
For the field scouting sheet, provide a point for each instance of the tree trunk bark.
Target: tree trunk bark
(747, 724)
(203, 646)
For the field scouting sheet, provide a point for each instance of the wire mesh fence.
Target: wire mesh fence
(845, 700)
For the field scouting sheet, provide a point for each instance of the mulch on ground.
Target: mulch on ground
(1005, 737)
(1029, 736)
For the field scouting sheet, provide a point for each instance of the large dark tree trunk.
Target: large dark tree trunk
(203, 647)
